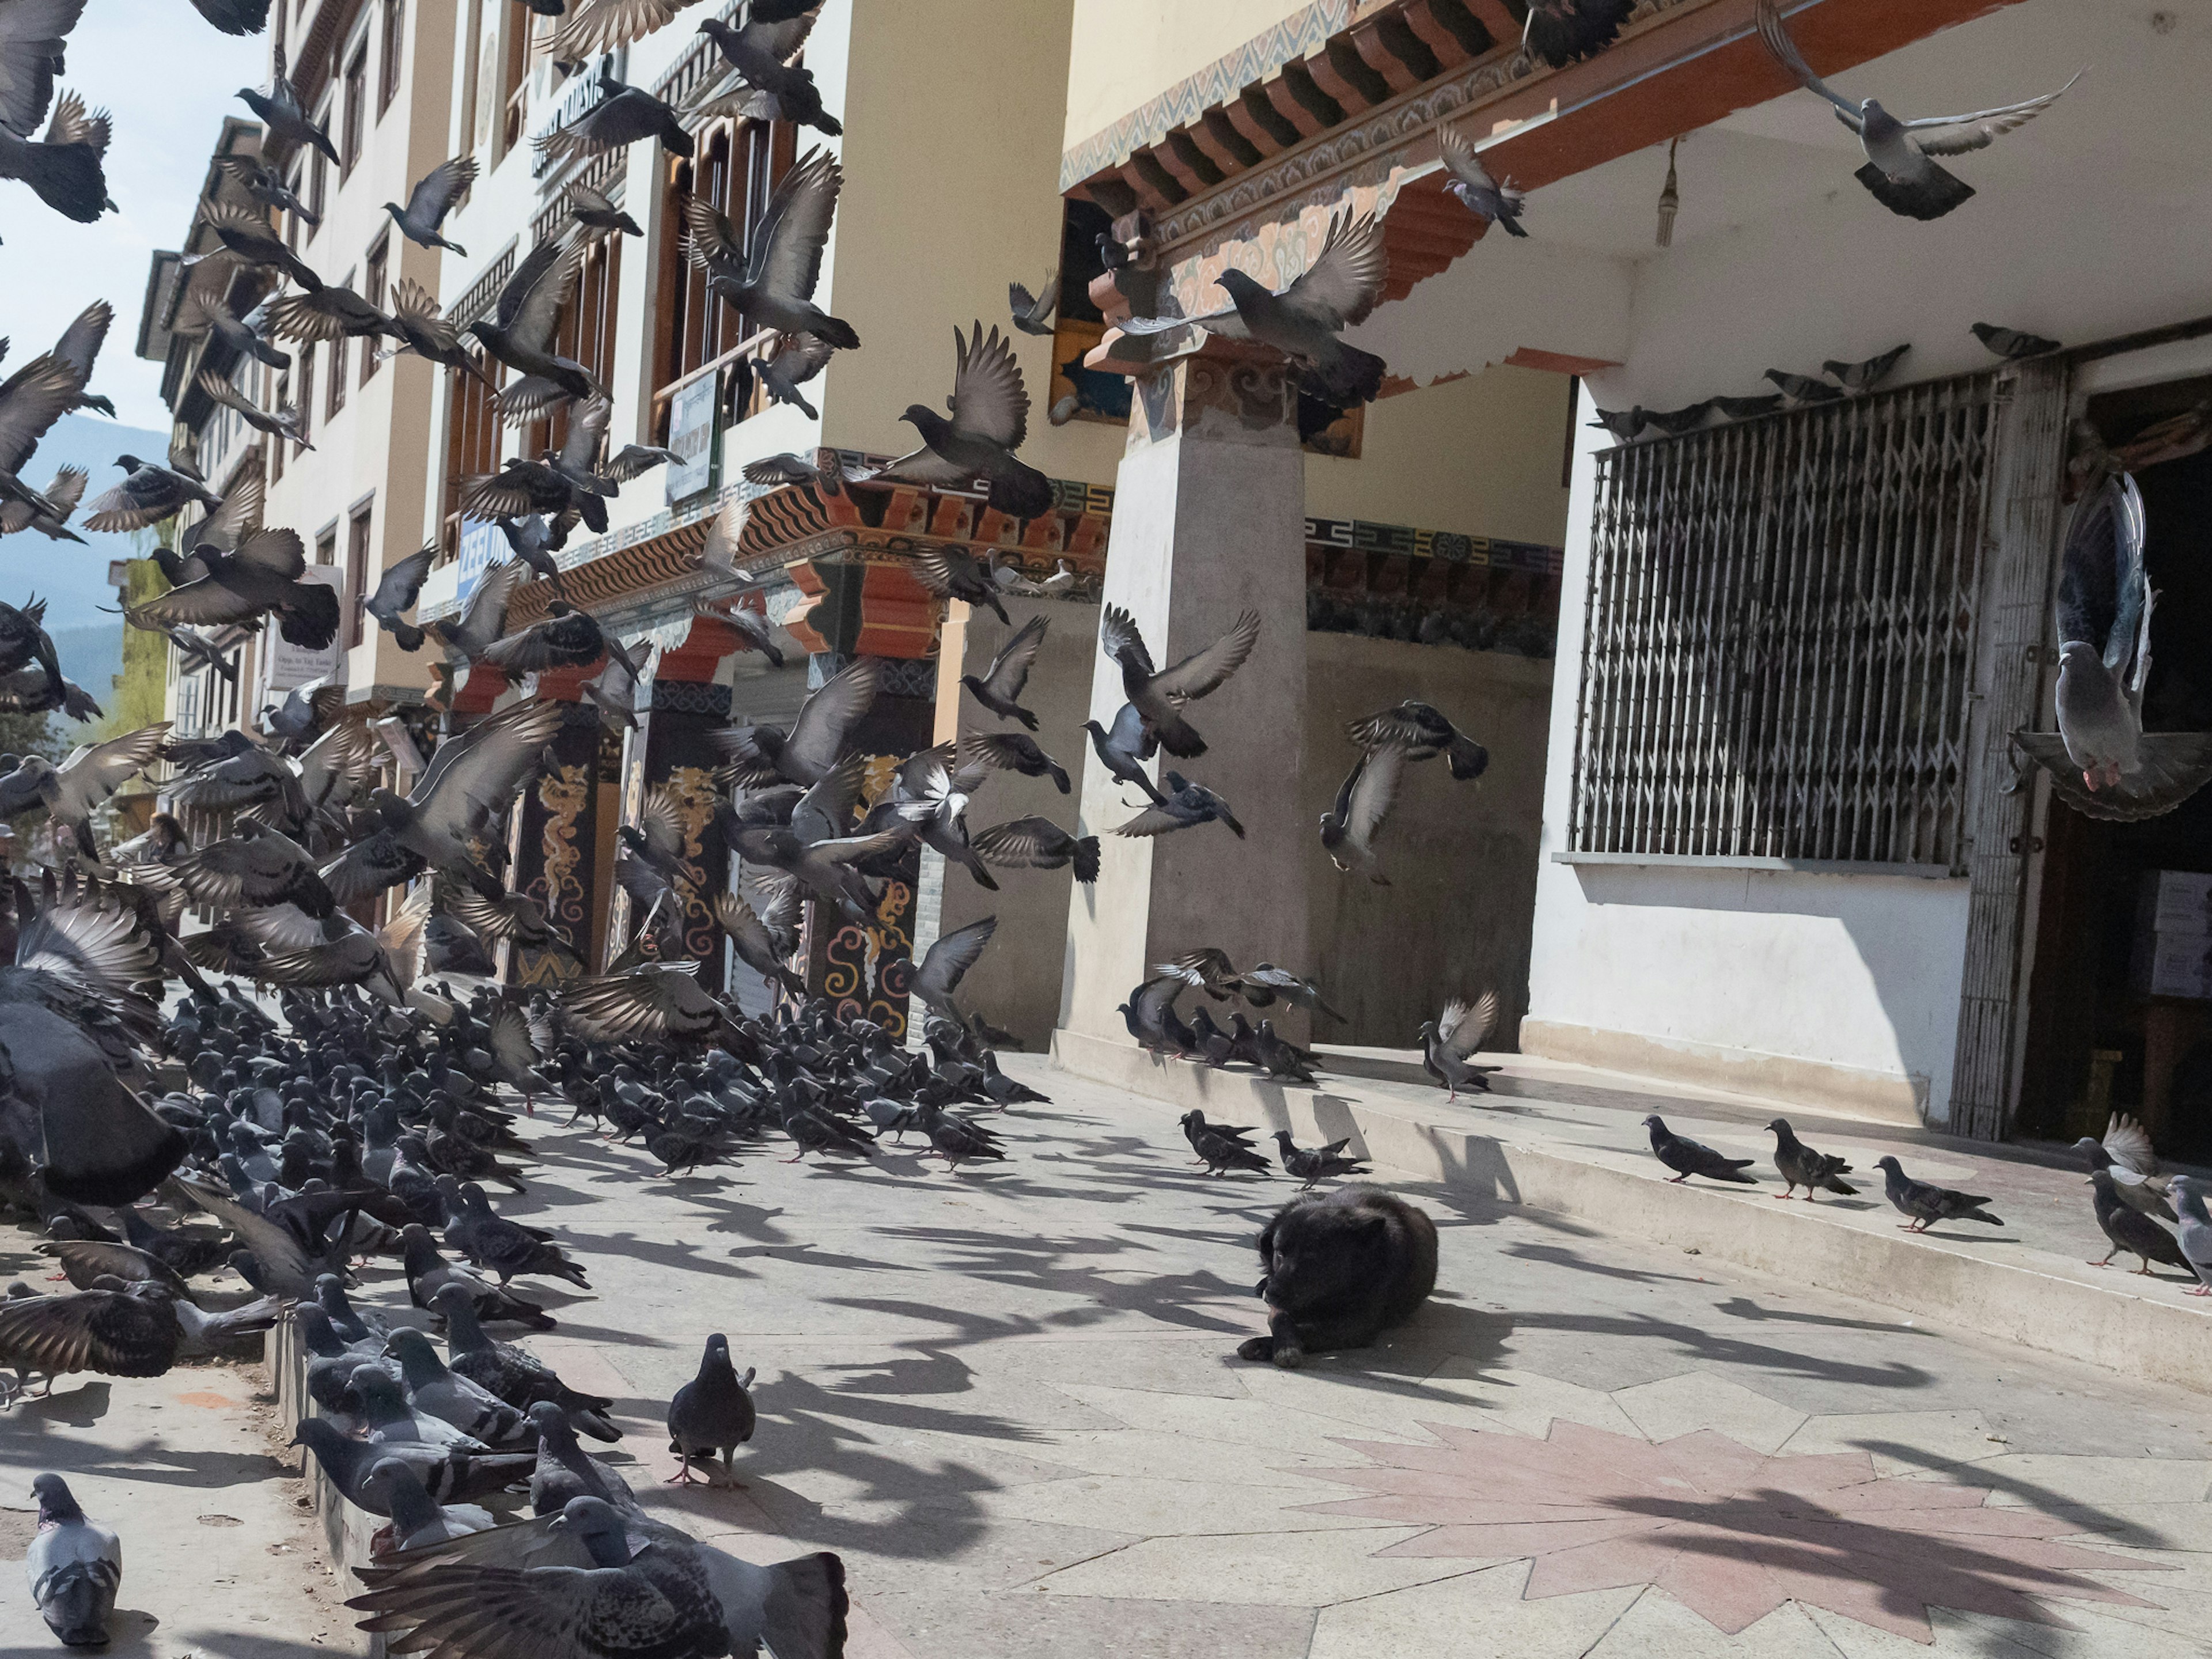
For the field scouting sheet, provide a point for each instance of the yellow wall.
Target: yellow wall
(1125, 52)
(1481, 455)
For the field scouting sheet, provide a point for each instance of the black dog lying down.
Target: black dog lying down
(1341, 1270)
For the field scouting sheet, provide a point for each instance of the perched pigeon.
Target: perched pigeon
(1689, 1158)
(1923, 1204)
(713, 1413)
(75, 1566)
(448, 1476)
(2012, 343)
(1899, 171)
(2188, 1195)
(1800, 1166)
(419, 1520)
(1804, 389)
(1865, 376)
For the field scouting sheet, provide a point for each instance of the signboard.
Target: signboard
(692, 423)
(483, 544)
(290, 664)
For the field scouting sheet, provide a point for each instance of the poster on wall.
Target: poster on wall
(483, 544)
(290, 665)
(692, 422)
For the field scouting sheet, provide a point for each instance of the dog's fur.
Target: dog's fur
(1341, 1270)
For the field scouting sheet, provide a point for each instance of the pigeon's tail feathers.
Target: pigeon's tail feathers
(103, 1145)
(78, 1598)
(310, 616)
(804, 1615)
(1510, 224)
(1352, 376)
(1837, 1184)
(594, 1424)
(837, 332)
(1734, 1172)
(1976, 1215)
(1929, 196)
(1086, 860)
(67, 178)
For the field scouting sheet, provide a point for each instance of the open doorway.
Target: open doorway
(2120, 995)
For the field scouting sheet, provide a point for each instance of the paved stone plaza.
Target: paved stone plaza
(1008, 1398)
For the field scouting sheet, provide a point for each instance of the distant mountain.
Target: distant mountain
(73, 579)
(92, 655)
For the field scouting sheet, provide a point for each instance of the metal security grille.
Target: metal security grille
(1780, 634)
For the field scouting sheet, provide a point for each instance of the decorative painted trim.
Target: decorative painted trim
(691, 697)
(1299, 35)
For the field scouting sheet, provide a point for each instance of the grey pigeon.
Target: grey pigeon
(202, 313)
(286, 422)
(65, 167)
(1625, 423)
(2188, 1195)
(1901, 171)
(772, 283)
(1033, 311)
(146, 495)
(248, 238)
(519, 1379)
(1864, 376)
(1925, 1204)
(1159, 697)
(449, 1477)
(431, 200)
(947, 962)
(1558, 32)
(597, 211)
(772, 88)
(2126, 1151)
(433, 1390)
(1424, 732)
(796, 359)
(1744, 409)
(265, 186)
(1184, 806)
(383, 1416)
(2131, 1230)
(396, 590)
(419, 1520)
(2105, 605)
(1305, 320)
(1804, 389)
(564, 1470)
(623, 115)
(281, 112)
(1011, 751)
(1348, 829)
(1675, 422)
(507, 1248)
(817, 739)
(1124, 749)
(1451, 1041)
(713, 1413)
(419, 324)
(1313, 1164)
(428, 1273)
(1687, 1158)
(1800, 1166)
(1493, 199)
(990, 421)
(999, 689)
(520, 333)
(2012, 343)
(1034, 843)
(75, 1566)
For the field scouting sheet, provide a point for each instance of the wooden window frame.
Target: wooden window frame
(390, 61)
(353, 109)
(359, 555)
(376, 274)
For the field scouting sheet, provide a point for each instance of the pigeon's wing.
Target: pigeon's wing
(237, 518)
(94, 773)
(443, 185)
(81, 341)
(660, 821)
(825, 811)
(105, 1331)
(31, 400)
(2128, 1145)
(951, 956)
(988, 400)
(1130, 734)
(1022, 844)
(1955, 135)
(1225, 321)
(787, 258)
(1345, 281)
(71, 125)
(1119, 638)
(1785, 52)
(825, 718)
(593, 27)
(587, 432)
(710, 241)
(1010, 669)
(397, 589)
(545, 1612)
(31, 33)
(1152, 821)
(743, 924)
(205, 603)
(92, 941)
(1464, 1025)
(1460, 159)
(410, 300)
(1204, 671)
(642, 1003)
(507, 1034)
(485, 620)
(530, 305)
(338, 765)
(484, 767)
(799, 357)
(1373, 791)
(2127, 652)
(273, 1246)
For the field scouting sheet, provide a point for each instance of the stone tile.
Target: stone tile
(1267, 1427)
(940, 1624)
(1528, 1402)
(1173, 1458)
(1901, 1441)
(1269, 1569)
(1476, 1615)
(1698, 1400)
(955, 1545)
(1658, 1626)
(1167, 1508)
(1378, 1402)
(2029, 1478)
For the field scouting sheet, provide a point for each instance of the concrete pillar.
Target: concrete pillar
(1209, 521)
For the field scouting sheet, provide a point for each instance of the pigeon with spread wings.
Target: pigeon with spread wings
(1901, 171)
(946, 964)
(1305, 320)
(431, 200)
(755, 945)
(1348, 829)
(999, 689)
(64, 167)
(2100, 760)
(1560, 31)
(263, 576)
(284, 421)
(765, 754)
(1424, 732)
(1451, 1041)
(990, 419)
(771, 87)
(396, 590)
(623, 115)
(1159, 698)
(521, 331)
(1033, 311)
(284, 115)
(773, 287)
(1038, 844)
(420, 326)
(1495, 200)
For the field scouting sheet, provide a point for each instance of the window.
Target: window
(1779, 642)
(735, 167)
(319, 171)
(472, 434)
(372, 290)
(295, 226)
(515, 81)
(306, 359)
(336, 395)
(395, 28)
(358, 563)
(326, 546)
(354, 105)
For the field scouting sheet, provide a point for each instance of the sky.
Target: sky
(168, 79)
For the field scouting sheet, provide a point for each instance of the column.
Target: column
(1209, 521)
(556, 843)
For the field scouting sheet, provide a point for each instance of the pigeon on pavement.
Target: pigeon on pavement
(713, 1413)
(1925, 1204)
(1800, 1166)
(1313, 1164)
(1220, 1147)
(75, 1566)
(1451, 1041)
(2126, 1152)
(1692, 1158)
(1901, 171)
(2131, 1230)
(2188, 1195)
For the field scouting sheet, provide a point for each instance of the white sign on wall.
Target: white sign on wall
(483, 544)
(290, 665)
(691, 415)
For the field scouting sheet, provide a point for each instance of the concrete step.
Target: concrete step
(2030, 1284)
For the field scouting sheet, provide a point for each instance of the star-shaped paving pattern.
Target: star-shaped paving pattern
(1730, 1532)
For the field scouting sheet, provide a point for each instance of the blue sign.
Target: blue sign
(483, 544)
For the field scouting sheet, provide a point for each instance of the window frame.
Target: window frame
(353, 109)
(390, 60)
(376, 277)
(359, 555)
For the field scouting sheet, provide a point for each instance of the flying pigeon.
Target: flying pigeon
(282, 114)
(1184, 806)
(1924, 1205)
(1305, 320)
(431, 200)
(1038, 844)
(1348, 829)
(2126, 1151)
(1495, 201)
(1899, 171)
(1451, 1041)
(2104, 603)
(990, 420)
(1424, 732)
(1033, 311)
(597, 211)
(1159, 698)
(1688, 1158)
(773, 284)
(999, 689)
(623, 115)
(771, 87)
